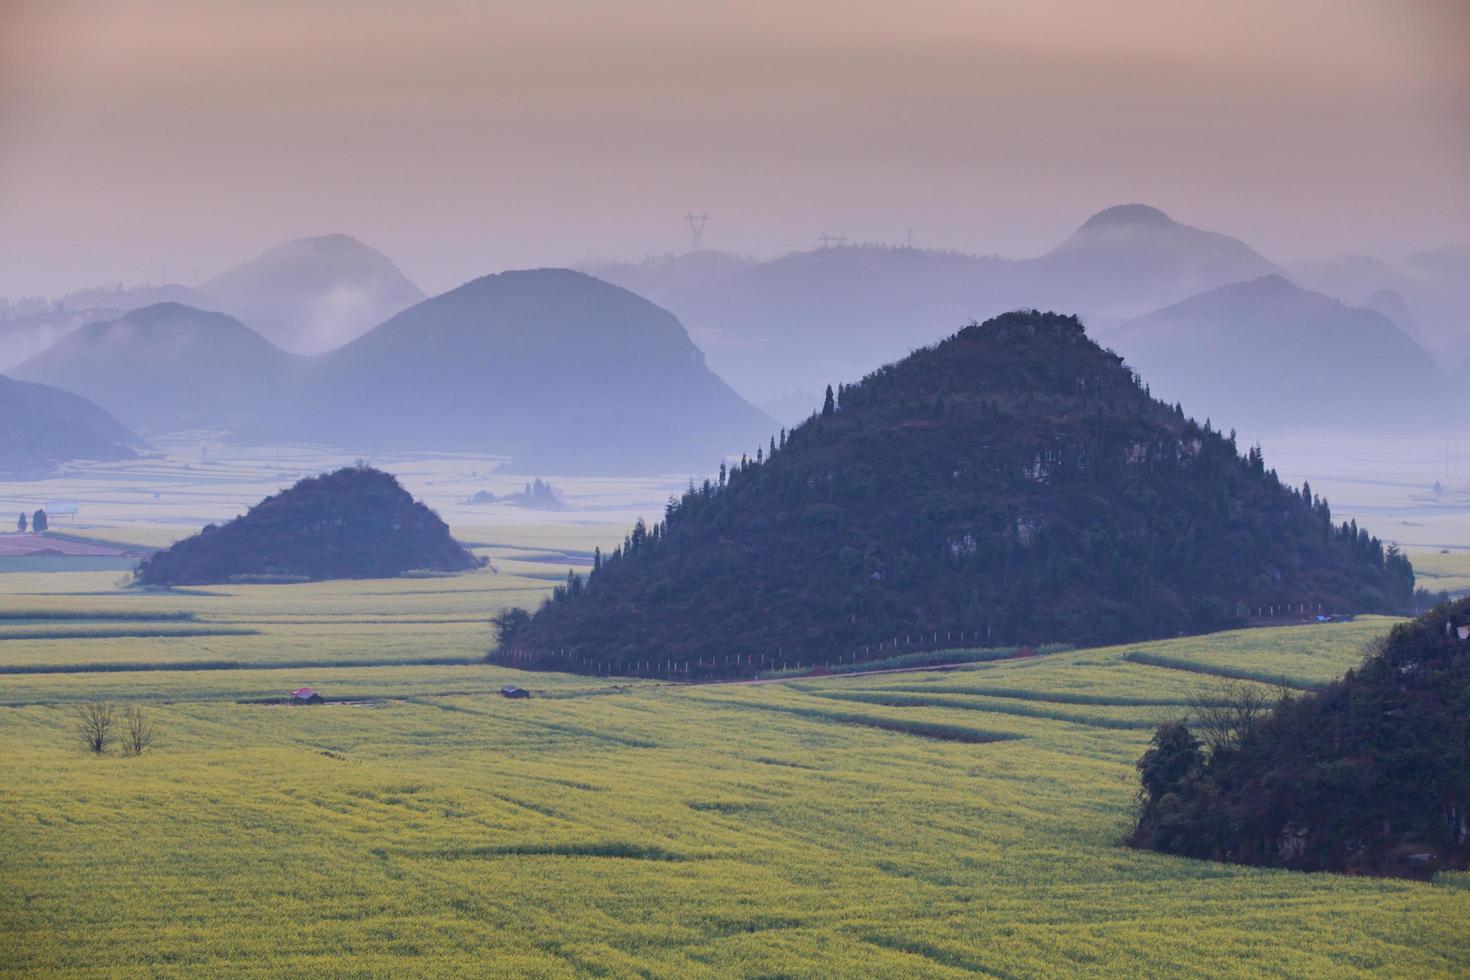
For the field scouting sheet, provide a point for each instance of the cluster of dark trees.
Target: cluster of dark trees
(38, 523)
(1370, 776)
(537, 495)
(357, 522)
(1015, 482)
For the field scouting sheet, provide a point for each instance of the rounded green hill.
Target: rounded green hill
(354, 523)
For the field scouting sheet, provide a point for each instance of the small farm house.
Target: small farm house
(306, 695)
(511, 691)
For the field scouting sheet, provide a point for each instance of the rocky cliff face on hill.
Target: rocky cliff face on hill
(1014, 483)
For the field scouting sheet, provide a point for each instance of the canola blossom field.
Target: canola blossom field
(908, 823)
(924, 823)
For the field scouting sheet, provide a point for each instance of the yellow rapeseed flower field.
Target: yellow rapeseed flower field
(938, 823)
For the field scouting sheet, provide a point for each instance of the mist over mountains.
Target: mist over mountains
(1427, 293)
(169, 368)
(304, 296)
(324, 340)
(560, 371)
(313, 294)
(1207, 317)
(798, 322)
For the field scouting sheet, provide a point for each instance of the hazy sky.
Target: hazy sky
(463, 138)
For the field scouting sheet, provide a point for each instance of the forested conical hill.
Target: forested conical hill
(357, 522)
(1370, 776)
(1015, 481)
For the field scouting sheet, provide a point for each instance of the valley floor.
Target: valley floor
(936, 824)
(893, 825)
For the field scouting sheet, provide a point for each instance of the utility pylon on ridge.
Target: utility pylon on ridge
(696, 226)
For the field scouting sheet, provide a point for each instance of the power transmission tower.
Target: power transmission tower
(696, 225)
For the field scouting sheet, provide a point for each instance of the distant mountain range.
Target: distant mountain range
(1269, 355)
(313, 294)
(563, 372)
(169, 368)
(560, 371)
(1013, 484)
(305, 296)
(1132, 258)
(616, 381)
(1427, 293)
(124, 298)
(23, 337)
(42, 427)
(799, 322)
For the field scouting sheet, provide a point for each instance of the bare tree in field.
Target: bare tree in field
(138, 731)
(95, 723)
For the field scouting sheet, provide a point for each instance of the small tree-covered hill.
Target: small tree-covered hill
(1015, 482)
(1370, 776)
(354, 523)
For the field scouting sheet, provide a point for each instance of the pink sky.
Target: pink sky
(463, 138)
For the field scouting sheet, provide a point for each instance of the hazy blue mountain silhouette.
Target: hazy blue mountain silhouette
(1434, 286)
(122, 299)
(42, 426)
(23, 337)
(1131, 258)
(313, 294)
(168, 368)
(563, 372)
(807, 319)
(1270, 356)
(1391, 303)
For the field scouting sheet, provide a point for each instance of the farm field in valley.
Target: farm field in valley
(926, 822)
(913, 823)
